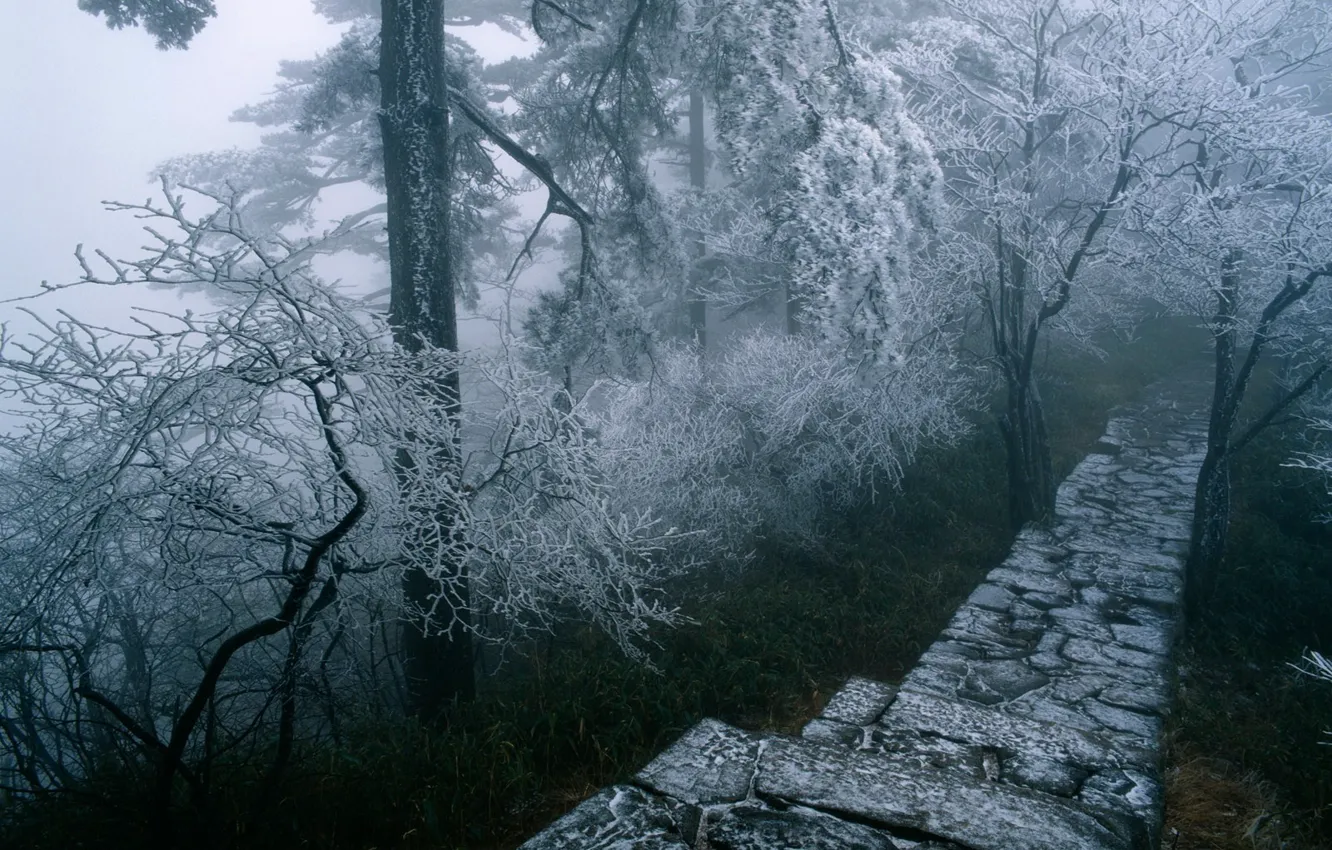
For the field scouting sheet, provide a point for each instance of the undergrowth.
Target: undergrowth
(1242, 710)
(766, 649)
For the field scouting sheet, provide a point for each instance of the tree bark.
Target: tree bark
(414, 124)
(1211, 523)
(1211, 513)
(1211, 508)
(698, 178)
(1031, 485)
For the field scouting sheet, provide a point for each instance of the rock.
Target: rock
(710, 763)
(1144, 638)
(1082, 651)
(1026, 581)
(832, 732)
(1147, 699)
(992, 596)
(980, 625)
(926, 751)
(988, 727)
(947, 805)
(616, 818)
(859, 702)
(1146, 729)
(1046, 601)
(762, 828)
(1008, 679)
(1052, 777)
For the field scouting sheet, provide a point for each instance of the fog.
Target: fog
(840, 310)
(94, 111)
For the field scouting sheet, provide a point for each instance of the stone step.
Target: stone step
(714, 766)
(891, 793)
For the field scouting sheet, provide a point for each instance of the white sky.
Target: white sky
(90, 112)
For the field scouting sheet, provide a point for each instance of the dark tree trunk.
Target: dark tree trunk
(414, 123)
(1031, 484)
(1211, 512)
(1211, 521)
(1211, 508)
(698, 178)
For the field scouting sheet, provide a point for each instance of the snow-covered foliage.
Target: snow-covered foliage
(837, 183)
(1039, 145)
(853, 221)
(772, 440)
(1248, 174)
(197, 505)
(1083, 146)
(172, 22)
(818, 134)
(1317, 411)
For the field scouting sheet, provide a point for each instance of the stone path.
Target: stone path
(1033, 723)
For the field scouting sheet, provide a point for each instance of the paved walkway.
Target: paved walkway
(1033, 723)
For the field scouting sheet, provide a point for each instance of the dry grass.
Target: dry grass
(1212, 805)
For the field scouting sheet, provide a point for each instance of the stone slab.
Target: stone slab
(875, 789)
(988, 727)
(620, 817)
(754, 827)
(711, 763)
(859, 702)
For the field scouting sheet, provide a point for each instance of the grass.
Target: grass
(766, 651)
(1215, 806)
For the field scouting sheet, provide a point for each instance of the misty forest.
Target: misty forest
(703, 356)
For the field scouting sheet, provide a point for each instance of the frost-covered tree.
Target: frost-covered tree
(323, 137)
(829, 178)
(830, 196)
(1052, 121)
(1237, 226)
(1041, 140)
(418, 102)
(205, 517)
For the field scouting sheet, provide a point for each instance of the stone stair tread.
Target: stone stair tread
(712, 762)
(987, 726)
(859, 702)
(620, 817)
(878, 789)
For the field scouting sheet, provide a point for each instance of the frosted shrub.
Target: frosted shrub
(206, 515)
(765, 444)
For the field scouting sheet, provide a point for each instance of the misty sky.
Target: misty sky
(91, 111)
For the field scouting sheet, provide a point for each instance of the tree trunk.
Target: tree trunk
(1211, 508)
(698, 177)
(1211, 521)
(414, 124)
(1031, 485)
